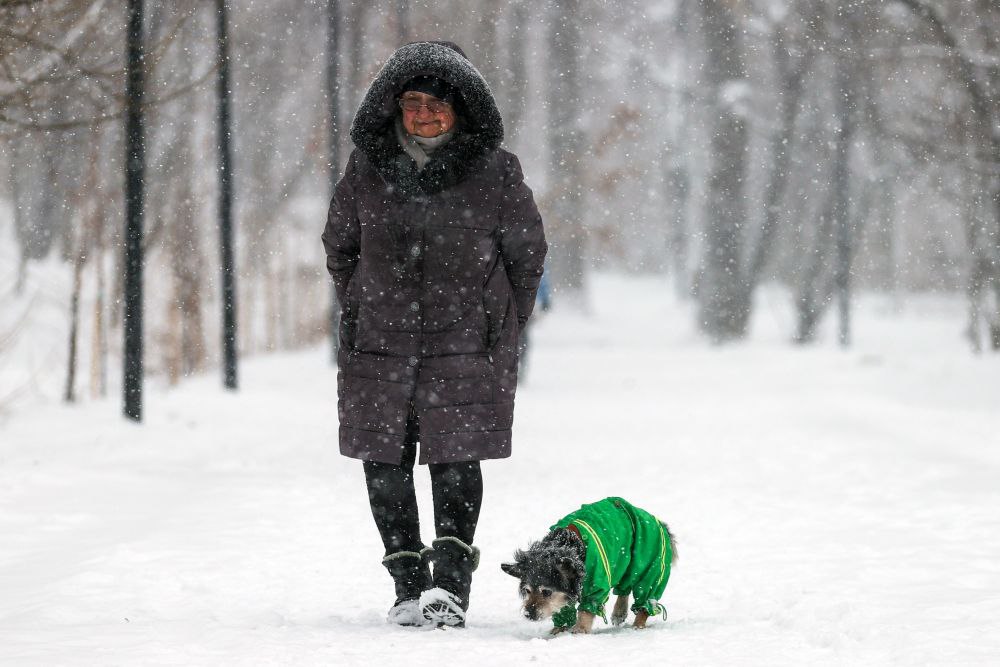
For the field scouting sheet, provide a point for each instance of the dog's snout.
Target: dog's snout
(531, 613)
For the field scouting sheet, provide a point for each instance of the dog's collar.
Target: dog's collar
(576, 531)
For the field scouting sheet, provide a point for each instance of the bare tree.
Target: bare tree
(564, 198)
(980, 82)
(51, 52)
(85, 240)
(793, 48)
(719, 290)
(834, 237)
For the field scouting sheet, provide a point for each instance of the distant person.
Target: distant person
(436, 250)
(543, 300)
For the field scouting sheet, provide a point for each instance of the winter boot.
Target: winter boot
(412, 577)
(454, 562)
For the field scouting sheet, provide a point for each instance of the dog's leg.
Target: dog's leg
(559, 629)
(584, 622)
(620, 611)
(640, 619)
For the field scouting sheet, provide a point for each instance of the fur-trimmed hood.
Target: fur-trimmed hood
(480, 126)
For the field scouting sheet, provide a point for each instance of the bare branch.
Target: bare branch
(57, 52)
(93, 121)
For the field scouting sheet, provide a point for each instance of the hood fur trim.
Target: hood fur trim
(480, 127)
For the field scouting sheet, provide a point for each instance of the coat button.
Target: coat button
(413, 361)
(414, 306)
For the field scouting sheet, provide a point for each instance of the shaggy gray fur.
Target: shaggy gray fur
(556, 561)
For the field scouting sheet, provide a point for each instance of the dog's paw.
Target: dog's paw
(620, 611)
(640, 620)
(584, 622)
(558, 630)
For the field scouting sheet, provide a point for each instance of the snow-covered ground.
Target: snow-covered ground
(831, 507)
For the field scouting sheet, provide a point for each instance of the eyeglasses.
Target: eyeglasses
(434, 106)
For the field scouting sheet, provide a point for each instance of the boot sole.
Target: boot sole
(443, 616)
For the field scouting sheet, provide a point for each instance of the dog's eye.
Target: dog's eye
(525, 592)
(546, 593)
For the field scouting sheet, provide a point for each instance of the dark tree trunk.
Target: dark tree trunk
(226, 203)
(134, 168)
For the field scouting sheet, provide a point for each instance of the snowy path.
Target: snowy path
(830, 507)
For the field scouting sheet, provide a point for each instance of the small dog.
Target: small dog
(610, 545)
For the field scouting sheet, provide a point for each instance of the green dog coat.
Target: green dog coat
(628, 552)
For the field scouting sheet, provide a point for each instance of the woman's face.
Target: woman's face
(431, 117)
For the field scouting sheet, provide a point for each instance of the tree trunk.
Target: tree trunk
(187, 261)
(814, 292)
(227, 254)
(19, 222)
(720, 292)
(356, 56)
(676, 159)
(69, 395)
(842, 196)
(487, 53)
(564, 223)
(517, 74)
(836, 225)
(134, 168)
(984, 244)
(678, 189)
(792, 76)
(95, 227)
(99, 337)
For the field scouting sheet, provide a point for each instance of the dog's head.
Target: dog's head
(551, 574)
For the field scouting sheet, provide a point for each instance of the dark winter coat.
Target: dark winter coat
(436, 272)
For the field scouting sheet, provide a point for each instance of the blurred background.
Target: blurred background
(818, 150)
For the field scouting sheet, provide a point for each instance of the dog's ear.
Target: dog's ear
(570, 575)
(513, 569)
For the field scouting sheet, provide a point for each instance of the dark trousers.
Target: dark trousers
(457, 489)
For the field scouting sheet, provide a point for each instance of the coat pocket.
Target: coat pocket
(491, 332)
(497, 305)
(348, 329)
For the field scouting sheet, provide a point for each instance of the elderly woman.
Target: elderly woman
(436, 249)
